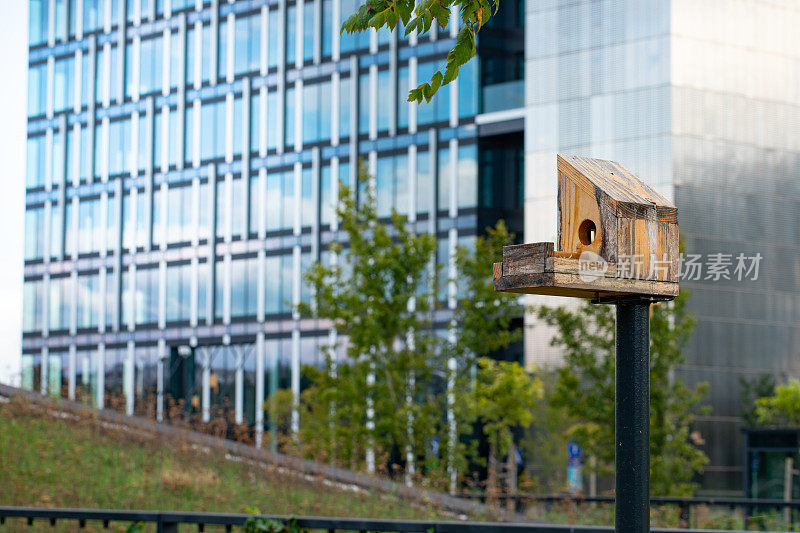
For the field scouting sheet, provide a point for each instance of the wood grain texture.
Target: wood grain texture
(622, 188)
(576, 205)
(566, 284)
(635, 233)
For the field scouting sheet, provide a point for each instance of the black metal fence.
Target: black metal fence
(169, 522)
(749, 508)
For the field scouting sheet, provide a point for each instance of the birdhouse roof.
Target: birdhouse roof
(615, 185)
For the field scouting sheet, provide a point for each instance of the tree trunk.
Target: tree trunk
(492, 481)
(511, 479)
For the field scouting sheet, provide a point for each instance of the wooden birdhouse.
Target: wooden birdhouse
(616, 237)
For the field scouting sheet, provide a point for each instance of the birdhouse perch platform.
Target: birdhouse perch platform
(617, 237)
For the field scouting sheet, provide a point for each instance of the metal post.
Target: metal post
(632, 414)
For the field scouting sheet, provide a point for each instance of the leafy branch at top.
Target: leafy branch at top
(387, 13)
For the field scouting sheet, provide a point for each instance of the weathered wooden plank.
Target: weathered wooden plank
(573, 266)
(567, 284)
(520, 250)
(620, 188)
(526, 258)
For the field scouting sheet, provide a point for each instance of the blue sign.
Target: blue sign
(573, 450)
(435, 446)
(574, 468)
(574, 479)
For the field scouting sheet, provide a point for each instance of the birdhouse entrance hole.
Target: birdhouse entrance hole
(587, 232)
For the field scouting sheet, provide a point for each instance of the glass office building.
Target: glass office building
(709, 114)
(183, 167)
(184, 158)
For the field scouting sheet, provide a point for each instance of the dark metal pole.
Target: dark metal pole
(632, 414)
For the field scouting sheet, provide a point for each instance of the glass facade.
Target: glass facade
(709, 117)
(183, 161)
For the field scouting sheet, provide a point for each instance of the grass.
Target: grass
(50, 460)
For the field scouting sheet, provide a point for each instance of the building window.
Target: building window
(425, 183)
(179, 214)
(247, 44)
(438, 109)
(308, 31)
(91, 15)
(178, 292)
(89, 227)
(244, 286)
(289, 118)
(32, 306)
(88, 304)
(385, 102)
(467, 176)
(146, 301)
(37, 90)
(36, 152)
(64, 83)
(327, 27)
(212, 130)
(317, 112)
(56, 230)
(273, 37)
(151, 58)
(59, 303)
(34, 232)
(344, 107)
(291, 30)
(38, 27)
(119, 152)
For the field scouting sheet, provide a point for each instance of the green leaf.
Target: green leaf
(404, 9)
(349, 24)
(450, 73)
(440, 13)
(464, 49)
(415, 95)
(436, 82)
(412, 25)
(387, 17)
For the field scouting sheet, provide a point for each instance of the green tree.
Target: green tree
(366, 295)
(504, 398)
(585, 388)
(379, 296)
(484, 316)
(752, 391)
(483, 320)
(388, 13)
(544, 442)
(783, 407)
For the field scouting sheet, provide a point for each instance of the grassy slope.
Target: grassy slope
(52, 462)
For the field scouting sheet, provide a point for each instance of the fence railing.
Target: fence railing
(747, 506)
(169, 521)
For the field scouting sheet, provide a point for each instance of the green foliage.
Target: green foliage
(388, 14)
(544, 443)
(281, 403)
(483, 315)
(585, 388)
(752, 390)
(259, 524)
(505, 396)
(378, 295)
(783, 407)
